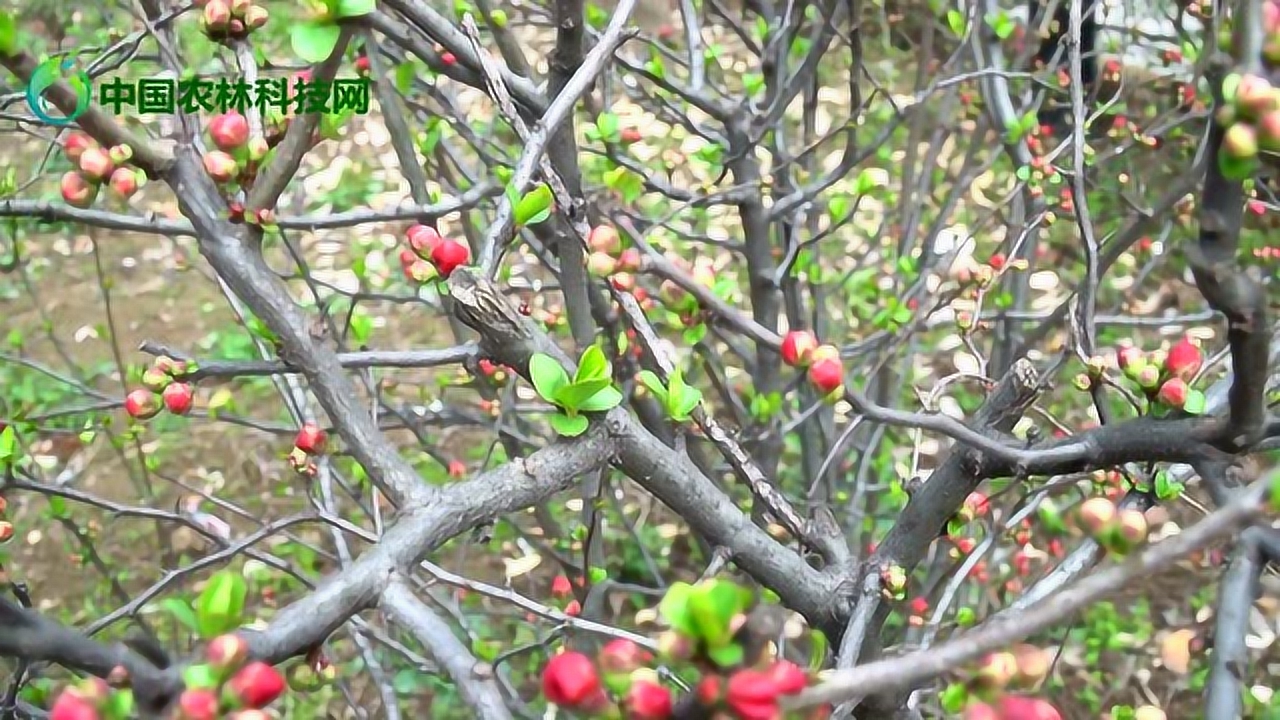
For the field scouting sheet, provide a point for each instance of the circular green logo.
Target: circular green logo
(46, 74)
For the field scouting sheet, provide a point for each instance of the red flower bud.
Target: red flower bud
(311, 439)
(1184, 359)
(124, 181)
(560, 587)
(788, 677)
(570, 681)
(449, 255)
(227, 651)
(980, 711)
(1173, 392)
(629, 260)
(257, 684)
(70, 706)
(977, 503)
(6, 531)
(1018, 707)
(422, 240)
(752, 695)
(798, 347)
(198, 705)
(826, 374)
(179, 398)
(217, 16)
(648, 701)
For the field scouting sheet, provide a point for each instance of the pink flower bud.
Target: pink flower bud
(142, 404)
(77, 191)
(229, 130)
(96, 164)
(605, 239)
(227, 651)
(622, 656)
(124, 182)
(220, 166)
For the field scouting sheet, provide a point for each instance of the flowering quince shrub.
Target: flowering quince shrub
(704, 647)
(224, 686)
(472, 359)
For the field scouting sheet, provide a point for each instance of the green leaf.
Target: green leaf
(120, 705)
(694, 335)
(607, 124)
(683, 399)
(838, 207)
(572, 396)
(548, 376)
(712, 606)
(403, 77)
(1195, 403)
(683, 407)
(1166, 487)
(314, 41)
(902, 315)
(355, 8)
(219, 607)
(817, 650)
(534, 203)
(181, 611)
(569, 426)
(1238, 169)
(8, 34)
(866, 182)
(954, 698)
(676, 384)
(726, 655)
(200, 677)
(654, 383)
(674, 609)
(592, 365)
(8, 446)
(604, 400)
(955, 21)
